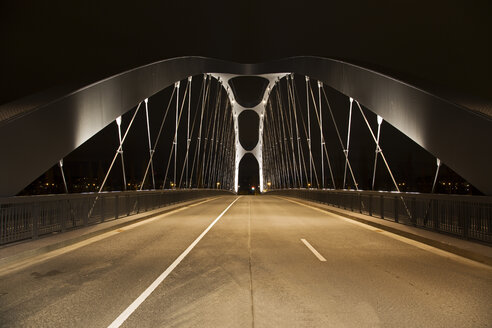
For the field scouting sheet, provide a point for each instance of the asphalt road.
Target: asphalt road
(250, 269)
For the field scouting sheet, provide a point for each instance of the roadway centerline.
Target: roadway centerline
(312, 249)
(132, 307)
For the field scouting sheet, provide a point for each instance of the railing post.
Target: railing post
(435, 214)
(370, 205)
(86, 213)
(465, 214)
(102, 208)
(396, 209)
(382, 206)
(360, 202)
(413, 206)
(116, 207)
(62, 216)
(35, 221)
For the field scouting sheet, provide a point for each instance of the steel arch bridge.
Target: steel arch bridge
(32, 139)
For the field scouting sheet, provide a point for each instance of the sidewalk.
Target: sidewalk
(471, 250)
(16, 252)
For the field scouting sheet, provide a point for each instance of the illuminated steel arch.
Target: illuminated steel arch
(32, 138)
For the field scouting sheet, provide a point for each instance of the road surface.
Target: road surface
(265, 262)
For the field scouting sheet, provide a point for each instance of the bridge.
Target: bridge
(246, 195)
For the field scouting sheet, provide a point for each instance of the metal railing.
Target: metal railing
(33, 216)
(468, 217)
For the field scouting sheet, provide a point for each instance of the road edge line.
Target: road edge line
(482, 259)
(29, 254)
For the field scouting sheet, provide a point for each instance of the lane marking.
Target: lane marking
(132, 307)
(405, 240)
(312, 249)
(16, 266)
(250, 269)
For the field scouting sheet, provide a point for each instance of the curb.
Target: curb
(428, 241)
(9, 260)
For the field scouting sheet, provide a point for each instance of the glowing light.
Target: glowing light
(118, 120)
(252, 188)
(351, 99)
(380, 120)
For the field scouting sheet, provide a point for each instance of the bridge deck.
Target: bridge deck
(250, 269)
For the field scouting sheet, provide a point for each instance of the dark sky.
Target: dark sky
(51, 43)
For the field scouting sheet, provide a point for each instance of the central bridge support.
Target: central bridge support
(259, 109)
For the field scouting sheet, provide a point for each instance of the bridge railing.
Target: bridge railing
(468, 217)
(34, 216)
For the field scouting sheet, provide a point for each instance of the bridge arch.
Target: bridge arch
(32, 138)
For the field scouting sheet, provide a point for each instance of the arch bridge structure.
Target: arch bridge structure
(35, 137)
(160, 238)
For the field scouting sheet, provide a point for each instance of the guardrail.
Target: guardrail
(28, 217)
(468, 217)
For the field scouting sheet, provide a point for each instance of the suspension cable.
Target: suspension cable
(119, 148)
(196, 157)
(150, 143)
(298, 137)
(341, 142)
(309, 133)
(298, 104)
(158, 137)
(174, 144)
(322, 138)
(291, 135)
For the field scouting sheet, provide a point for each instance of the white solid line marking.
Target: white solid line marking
(9, 268)
(406, 240)
(315, 252)
(130, 309)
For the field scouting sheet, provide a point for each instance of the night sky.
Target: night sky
(442, 44)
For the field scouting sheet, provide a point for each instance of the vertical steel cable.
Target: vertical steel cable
(158, 137)
(347, 148)
(213, 142)
(298, 137)
(150, 144)
(321, 137)
(323, 145)
(309, 133)
(286, 134)
(199, 104)
(291, 135)
(206, 141)
(174, 142)
(340, 140)
(188, 131)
